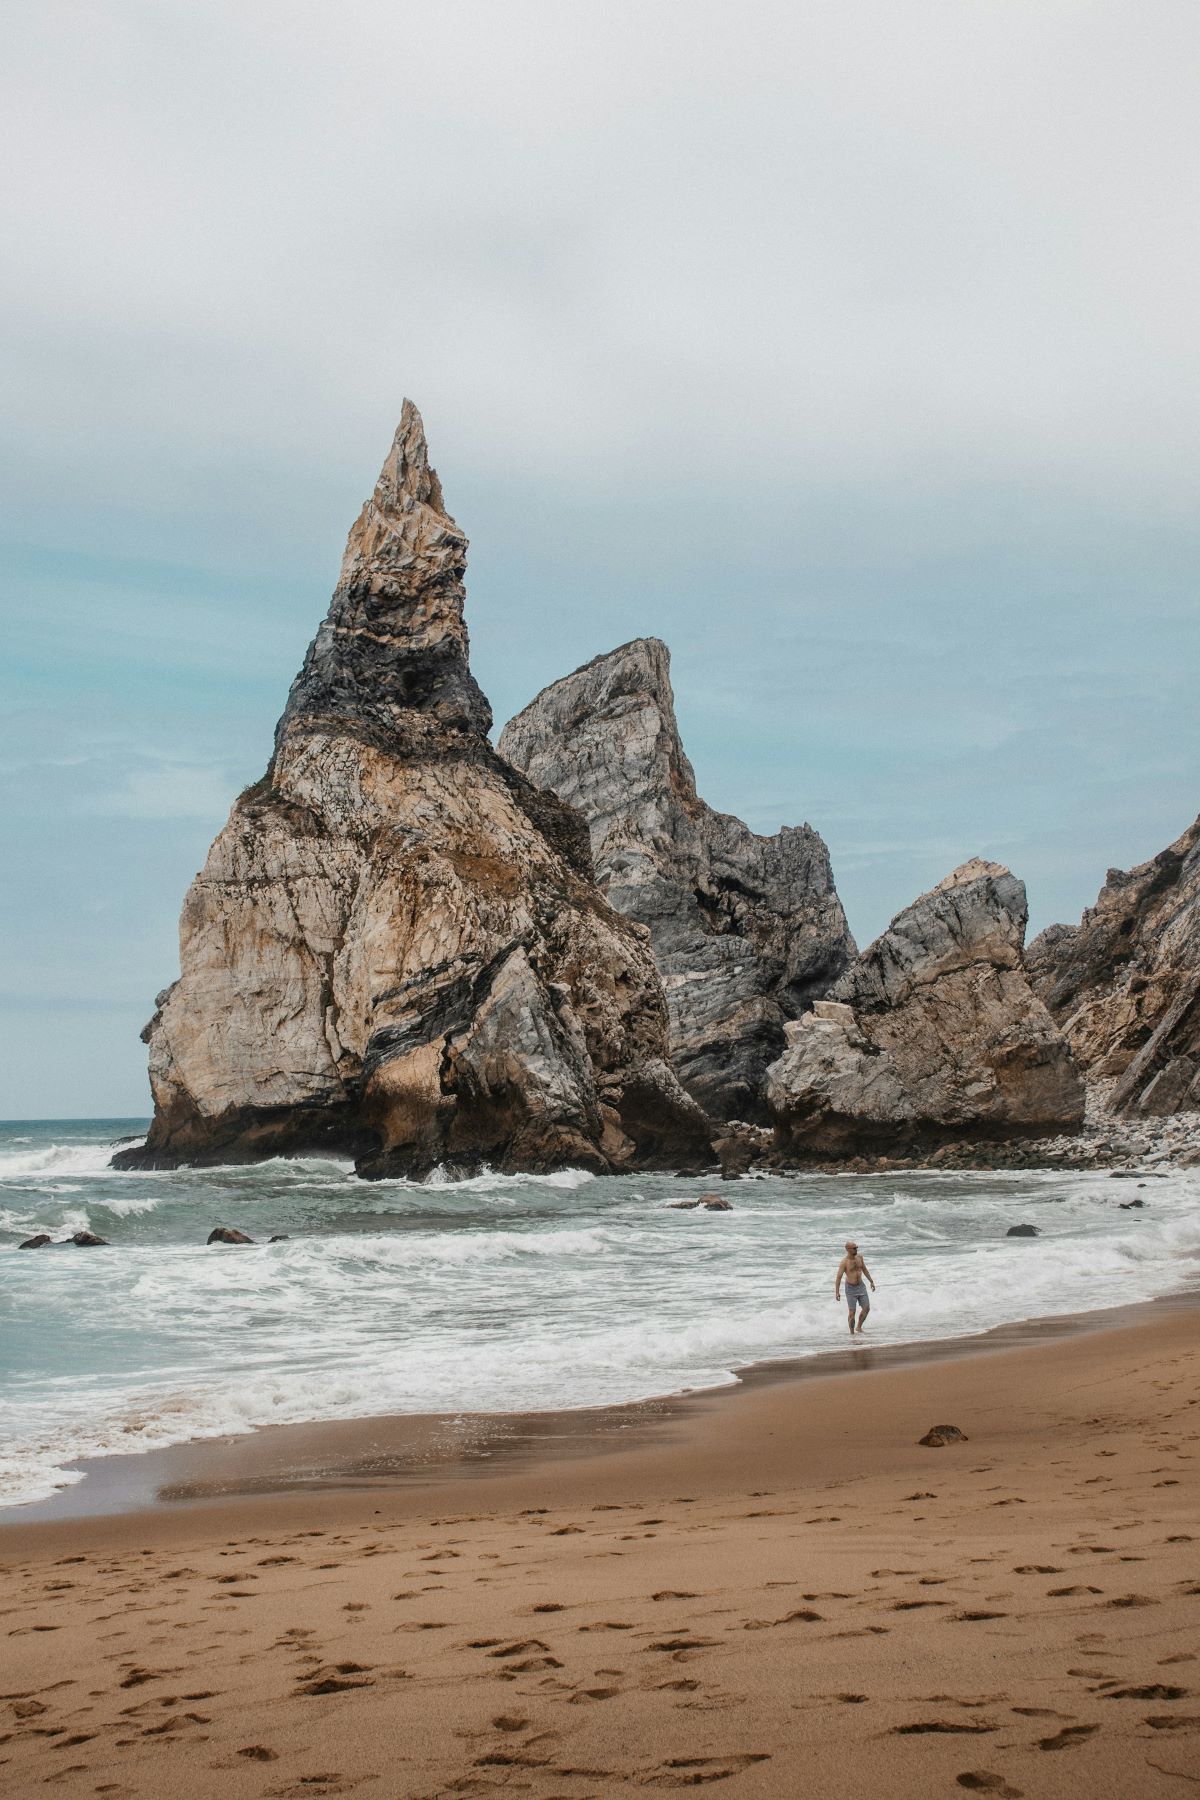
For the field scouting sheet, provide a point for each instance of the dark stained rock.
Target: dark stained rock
(396, 948)
(933, 1034)
(1124, 984)
(714, 1203)
(281, 1237)
(938, 1435)
(745, 930)
(227, 1234)
(1022, 1231)
(85, 1240)
(39, 1242)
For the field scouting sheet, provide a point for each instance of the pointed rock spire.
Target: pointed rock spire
(391, 658)
(395, 948)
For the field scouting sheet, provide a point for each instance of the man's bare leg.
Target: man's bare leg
(863, 1310)
(851, 1314)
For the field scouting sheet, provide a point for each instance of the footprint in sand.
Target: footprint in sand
(943, 1727)
(1068, 1736)
(1155, 1690)
(336, 1678)
(696, 1771)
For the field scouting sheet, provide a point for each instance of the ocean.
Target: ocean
(499, 1293)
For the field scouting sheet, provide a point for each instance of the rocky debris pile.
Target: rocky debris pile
(932, 1035)
(396, 948)
(1124, 984)
(745, 930)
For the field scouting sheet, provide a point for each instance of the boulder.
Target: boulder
(1124, 984)
(932, 1035)
(38, 1242)
(396, 948)
(1023, 1231)
(227, 1234)
(938, 1435)
(745, 930)
(85, 1240)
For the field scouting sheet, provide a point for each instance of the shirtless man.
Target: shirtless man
(853, 1269)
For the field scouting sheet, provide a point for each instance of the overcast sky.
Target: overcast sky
(849, 347)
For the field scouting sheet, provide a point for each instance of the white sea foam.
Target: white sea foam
(55, 1160)
(505, 1292)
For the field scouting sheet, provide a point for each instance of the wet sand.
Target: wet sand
(778, 1590)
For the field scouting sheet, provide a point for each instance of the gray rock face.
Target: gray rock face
(745, 930)
(1124, 984)
(934, 1033)
(396, 947)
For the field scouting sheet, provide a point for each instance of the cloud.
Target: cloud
(170, 792)
(849, 348)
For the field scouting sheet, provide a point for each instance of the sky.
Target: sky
(849, 347)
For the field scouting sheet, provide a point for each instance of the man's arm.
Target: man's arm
(868, 1274)
(837, 1280)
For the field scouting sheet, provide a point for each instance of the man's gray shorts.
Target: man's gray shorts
(856, 1295)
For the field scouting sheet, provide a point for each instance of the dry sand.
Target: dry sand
(780, 1591)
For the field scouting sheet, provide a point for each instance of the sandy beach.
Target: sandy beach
(776, 1588)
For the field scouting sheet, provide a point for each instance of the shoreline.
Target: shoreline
(380, 1453)
(783, 1592)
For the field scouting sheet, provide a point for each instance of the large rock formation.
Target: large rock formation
(746, 930)
(933, 1035)
(1125, 983)
(396, 946)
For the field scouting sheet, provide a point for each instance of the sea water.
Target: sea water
(499, 1293)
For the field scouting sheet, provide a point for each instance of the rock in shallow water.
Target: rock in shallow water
(745, 930)
(1025, 1231)
(227, 1234)
(38, 1242)
(396, 948)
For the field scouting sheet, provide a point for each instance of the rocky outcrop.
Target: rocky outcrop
(396, 947)
(934, 1034)
(746, 930)
(1124, 984)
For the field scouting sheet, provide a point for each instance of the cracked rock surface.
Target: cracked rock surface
(1124, 983)
(396, 947)
(933, 1034)
(745, 930)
